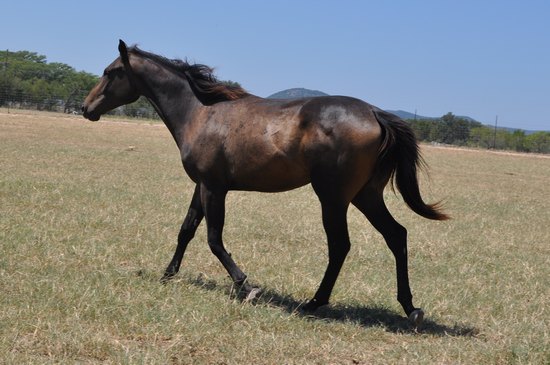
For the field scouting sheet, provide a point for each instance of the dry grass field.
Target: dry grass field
(89, 214)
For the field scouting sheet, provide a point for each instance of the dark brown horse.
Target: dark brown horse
(230, 140)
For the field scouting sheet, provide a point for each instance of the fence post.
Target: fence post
(495, 134)
(6, 80)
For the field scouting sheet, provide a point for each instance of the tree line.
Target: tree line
(453, 130)
(28, 81)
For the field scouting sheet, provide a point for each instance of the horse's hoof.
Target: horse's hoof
(313, 305)
(246, 292)
(166, 278)
(416, 317)
(252, 294)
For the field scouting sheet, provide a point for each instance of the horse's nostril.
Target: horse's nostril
(83, 108)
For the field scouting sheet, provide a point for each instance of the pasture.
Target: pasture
(89, 215)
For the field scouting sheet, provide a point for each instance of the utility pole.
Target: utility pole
(495, 134)
(6, 80)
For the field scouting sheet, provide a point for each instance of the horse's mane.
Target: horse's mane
(206, 87)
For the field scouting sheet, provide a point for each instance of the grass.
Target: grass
(89, 214)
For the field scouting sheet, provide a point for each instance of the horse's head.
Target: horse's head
(115, 88)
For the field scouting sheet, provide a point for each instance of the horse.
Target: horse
(229, 139)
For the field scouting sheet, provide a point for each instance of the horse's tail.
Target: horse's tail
(399, 160)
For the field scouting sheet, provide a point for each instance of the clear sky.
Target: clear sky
(479, 58)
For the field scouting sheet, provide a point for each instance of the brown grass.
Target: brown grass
(89, 213)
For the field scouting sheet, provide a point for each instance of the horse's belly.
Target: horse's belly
(275, 176)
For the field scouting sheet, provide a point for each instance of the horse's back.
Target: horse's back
(339, 121)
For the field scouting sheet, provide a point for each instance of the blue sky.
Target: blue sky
(476, 58)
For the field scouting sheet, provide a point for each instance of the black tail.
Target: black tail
(400, 160)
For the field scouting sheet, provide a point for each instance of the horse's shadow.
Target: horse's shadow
(377, 316)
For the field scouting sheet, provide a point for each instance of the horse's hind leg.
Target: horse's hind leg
(335, 224)
(187, 232)
(371, 203)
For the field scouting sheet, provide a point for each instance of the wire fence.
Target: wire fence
(37, 101)
(69, 103)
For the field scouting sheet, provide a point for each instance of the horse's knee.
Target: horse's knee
(189, 226)
(216, 248)
(186, 235)
(344, 248)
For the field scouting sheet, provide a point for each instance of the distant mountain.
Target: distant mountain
(296, 93)
(301, 92)
(407, 115)
(469, 119)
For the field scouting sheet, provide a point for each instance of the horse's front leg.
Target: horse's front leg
(213, 204)
(187, 232)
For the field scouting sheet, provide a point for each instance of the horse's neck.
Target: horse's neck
(173, 99)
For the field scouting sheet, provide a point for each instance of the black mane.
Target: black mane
(206, 87)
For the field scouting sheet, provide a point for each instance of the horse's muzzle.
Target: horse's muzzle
(89, 115)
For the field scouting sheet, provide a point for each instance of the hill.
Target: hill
(407, 115)
(296, 93)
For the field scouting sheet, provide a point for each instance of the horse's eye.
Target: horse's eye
(115, 72)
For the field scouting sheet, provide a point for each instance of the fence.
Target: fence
(70, 103)
(36, 101)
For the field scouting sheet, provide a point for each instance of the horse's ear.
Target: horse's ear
(123, 52)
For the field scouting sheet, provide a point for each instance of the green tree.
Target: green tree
(538, 142)
(422, 128)
(516, 140)
(29, 80)
(481, 137)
